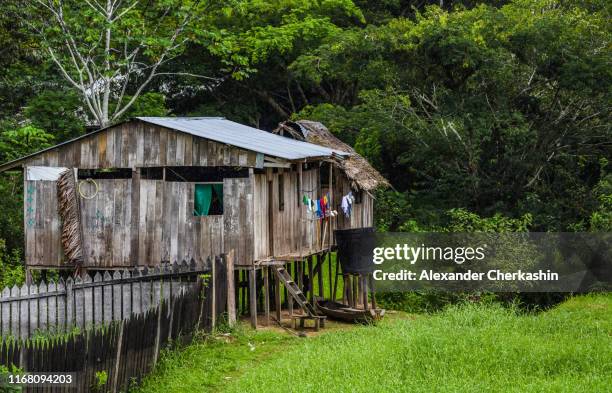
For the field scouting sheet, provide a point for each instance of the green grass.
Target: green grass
(469, 348)
(211, 362)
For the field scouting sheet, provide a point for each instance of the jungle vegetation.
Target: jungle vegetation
(484, 115)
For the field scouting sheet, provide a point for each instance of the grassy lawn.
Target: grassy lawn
(471, 348)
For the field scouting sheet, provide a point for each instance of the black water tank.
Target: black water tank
(355, 249)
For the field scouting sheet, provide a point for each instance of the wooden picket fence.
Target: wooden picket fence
(126, 348)
(88, 301)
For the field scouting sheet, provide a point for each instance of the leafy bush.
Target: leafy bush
(12, 271)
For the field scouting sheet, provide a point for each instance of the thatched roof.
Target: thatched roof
(357, 168)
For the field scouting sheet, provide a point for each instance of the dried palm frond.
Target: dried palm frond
(71, 218)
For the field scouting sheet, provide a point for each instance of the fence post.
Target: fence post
(231, 294)
(213, 282)
(118, 356)
(157, 333)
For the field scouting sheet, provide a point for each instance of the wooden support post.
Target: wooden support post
(237, 290)
(330, 275)
(334, 291)
(266, 273)
(310, 279)
(28, 276)
(277, 298)
(364, 291)
(284, 293)
(253, 297)
(372, 291)
(320, 263)
(243, 293)
(231, 293)
(348, 290)
(355, 290)
(289, 297)
(300, 273)
(213, 280)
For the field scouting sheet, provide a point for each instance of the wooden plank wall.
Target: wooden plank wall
(126, 225)
(362, 214)
(260, 216)
(238, 219)
(106, 221)
(138, 144)
(165, 228)
(286, 223)
(311, 227)
(42, 222)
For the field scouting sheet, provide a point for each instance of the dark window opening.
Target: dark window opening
(106, 173)
(358, 194)
(281, 192)
(324, 174)
(208, 199)
(155, 173)
(203, 174)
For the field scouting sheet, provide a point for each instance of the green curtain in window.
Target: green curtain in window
(202, 199)
(219, 191)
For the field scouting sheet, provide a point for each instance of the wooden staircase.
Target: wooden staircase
(295, 291)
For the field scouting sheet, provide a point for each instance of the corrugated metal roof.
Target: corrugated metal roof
(225, 131)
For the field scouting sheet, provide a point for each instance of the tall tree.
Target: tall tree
(111, 50)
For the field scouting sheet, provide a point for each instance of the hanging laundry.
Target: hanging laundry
(305, 200)
(345, 206)
(323, 207)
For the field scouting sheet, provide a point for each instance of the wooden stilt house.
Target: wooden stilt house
(154, 190)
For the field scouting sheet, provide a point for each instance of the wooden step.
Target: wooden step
(295, 291)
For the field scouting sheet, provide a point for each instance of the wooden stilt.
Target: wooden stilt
(300, 275)
(277, 298)
(334, 293)
(290, 298)
(355, 290)
(253, 297)
(310, 279)
(28, 276)
(231, 292)
(320, 263)
(266, 272)
(330, 275)
(237, 290)
(348, 290)
(243, 290)
(213, 277)
(364, 291)
(372, 291)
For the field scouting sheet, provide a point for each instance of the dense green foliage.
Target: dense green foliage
(466, 348)
(484, 115)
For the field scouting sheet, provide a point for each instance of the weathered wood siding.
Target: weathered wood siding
(139, 144)
(362, 214)
(238, 219)
(106, 221)
(123, 227)
(42, 223)
(294, 230)
(143, 222)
